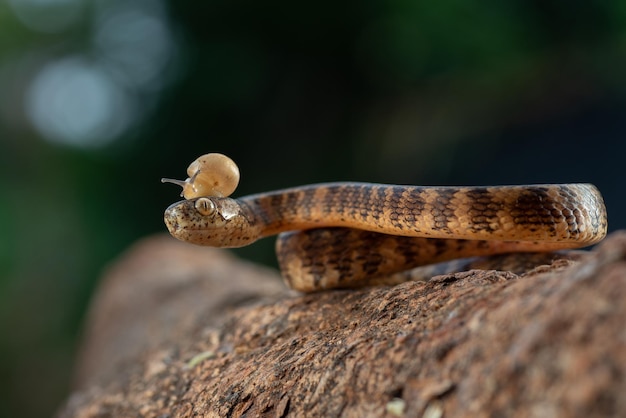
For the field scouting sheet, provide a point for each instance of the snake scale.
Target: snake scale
(337, 235)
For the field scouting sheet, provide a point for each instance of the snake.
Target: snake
(343, 234)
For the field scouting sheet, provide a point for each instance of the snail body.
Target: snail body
(211, 174)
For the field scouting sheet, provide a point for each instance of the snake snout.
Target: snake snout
(172, 217)
(171, 222)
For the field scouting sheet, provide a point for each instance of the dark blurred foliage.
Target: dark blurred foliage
(448, 92)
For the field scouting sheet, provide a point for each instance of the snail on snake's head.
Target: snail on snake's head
(209, 175)
(208, 216)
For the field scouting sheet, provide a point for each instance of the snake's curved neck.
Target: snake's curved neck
(356, 205)
(436, 212)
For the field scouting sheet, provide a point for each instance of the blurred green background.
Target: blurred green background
(100, 99)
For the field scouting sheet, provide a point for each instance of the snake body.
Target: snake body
(351, 231)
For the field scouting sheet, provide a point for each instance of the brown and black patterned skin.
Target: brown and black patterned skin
(350, 232)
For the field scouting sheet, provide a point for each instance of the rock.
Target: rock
(184, 331)
(161, 291)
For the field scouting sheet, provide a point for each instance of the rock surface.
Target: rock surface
(181, 331)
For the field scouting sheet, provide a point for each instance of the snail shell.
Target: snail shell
(211, 174)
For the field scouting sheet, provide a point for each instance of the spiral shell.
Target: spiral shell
(211, 174)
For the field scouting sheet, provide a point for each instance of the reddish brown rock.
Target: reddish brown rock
(163, 291)
(166, 338)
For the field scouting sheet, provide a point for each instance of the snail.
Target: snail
(211, 174)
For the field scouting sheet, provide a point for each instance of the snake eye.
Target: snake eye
(205, 206)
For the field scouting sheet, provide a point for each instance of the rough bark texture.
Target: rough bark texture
(181, 331)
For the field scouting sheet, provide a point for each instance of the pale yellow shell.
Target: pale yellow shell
(211, 174)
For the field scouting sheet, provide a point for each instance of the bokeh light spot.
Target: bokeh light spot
(76, 103)
(136, 45)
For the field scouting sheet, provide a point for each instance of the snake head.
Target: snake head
(211, 221)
